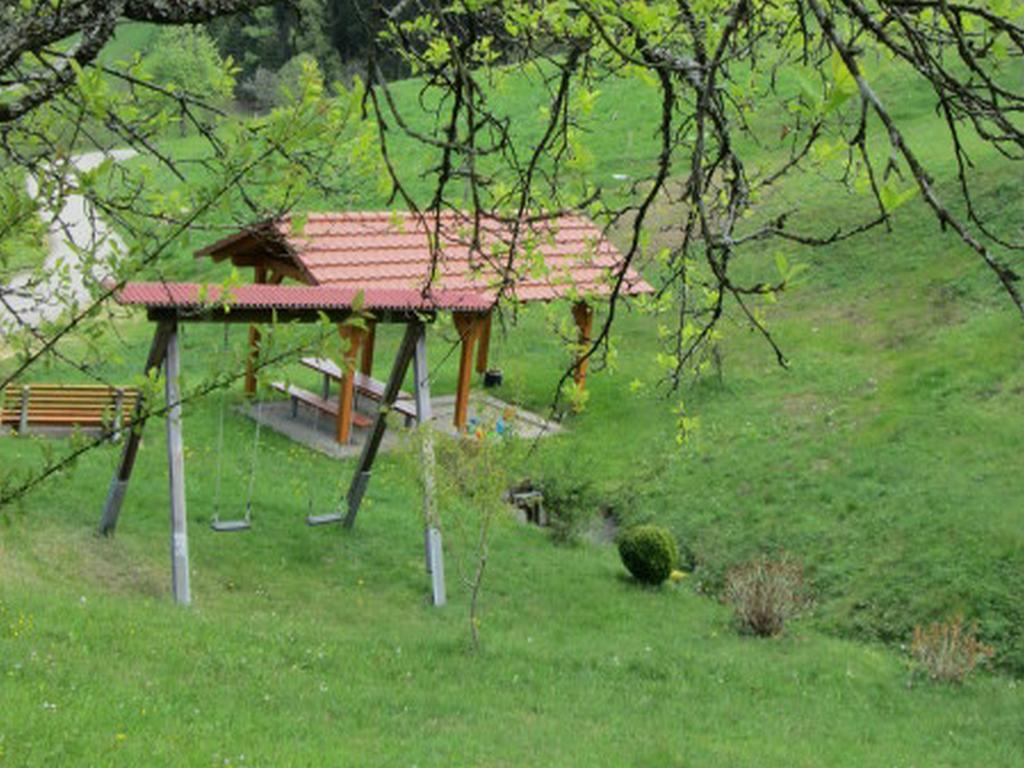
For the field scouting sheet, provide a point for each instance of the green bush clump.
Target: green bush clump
(649, 552)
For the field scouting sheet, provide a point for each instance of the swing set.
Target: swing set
(170, 305)
(244, 523)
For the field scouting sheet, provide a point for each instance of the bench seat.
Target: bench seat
(330, 407)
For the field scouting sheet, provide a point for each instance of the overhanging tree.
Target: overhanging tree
(715, 68)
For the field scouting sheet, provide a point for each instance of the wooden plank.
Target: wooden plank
(362, 476)
(364, 385)
(483, 351)
(176, 474)
(305, 396)
(69, 419)
(218, 313)
(123, 473)
(311, 399)
(39, 387)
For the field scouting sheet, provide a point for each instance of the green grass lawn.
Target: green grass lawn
(307, 646)
(886, 459)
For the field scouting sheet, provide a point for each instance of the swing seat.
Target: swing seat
(332, 517)
(230, 526)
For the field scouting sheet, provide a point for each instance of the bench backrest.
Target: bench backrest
(67, 405)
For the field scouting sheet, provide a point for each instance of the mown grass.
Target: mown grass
(308, 644)
(885, 459)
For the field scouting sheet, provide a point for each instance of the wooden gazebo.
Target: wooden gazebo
(472, 264)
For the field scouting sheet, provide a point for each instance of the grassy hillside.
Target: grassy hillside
(312, 645)
(886, 459)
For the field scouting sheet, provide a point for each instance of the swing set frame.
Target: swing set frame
(169, 305)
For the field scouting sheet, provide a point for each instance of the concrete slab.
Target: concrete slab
(316, 430)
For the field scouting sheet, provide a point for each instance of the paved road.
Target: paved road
(36, 299)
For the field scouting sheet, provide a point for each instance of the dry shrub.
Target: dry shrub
(765, 593)
(948, 650)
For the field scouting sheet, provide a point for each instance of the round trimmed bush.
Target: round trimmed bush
(649, 552)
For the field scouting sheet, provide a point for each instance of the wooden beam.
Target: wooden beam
(421, 393)
(583, 314)
(366, 360)
(237, 315)
(123, 473)
(484, 349)
(254, 342)
(433, 549)
(351, 338)
(176, 473)
(468, 326)
(361, 479)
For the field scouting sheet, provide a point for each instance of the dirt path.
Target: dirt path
(34, 299)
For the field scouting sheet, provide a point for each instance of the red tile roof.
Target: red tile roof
(192, 295)
(567, 255)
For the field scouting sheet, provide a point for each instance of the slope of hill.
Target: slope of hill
(886, 459)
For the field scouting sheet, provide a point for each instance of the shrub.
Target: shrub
(570, 501)
(949, 651)
(765, 593)
(649, 552)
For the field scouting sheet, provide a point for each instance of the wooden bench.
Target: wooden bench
(365, 385)
(299, 395)
(68, 405)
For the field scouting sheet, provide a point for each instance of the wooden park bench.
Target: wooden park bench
(68, 405)
(367, 386)
(324, 405)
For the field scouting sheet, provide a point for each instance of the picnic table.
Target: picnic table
(365, 385)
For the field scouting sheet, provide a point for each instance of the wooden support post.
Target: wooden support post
(23, 417)
(118, 421)
(346, 396)
(176, 473)
(468, 326)
(583, 314)
(372, 444)
(254, 343)
(123, 473)
(366, 359)
(483, 351)
(421, 379)
(433, 550)
(437, 566)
